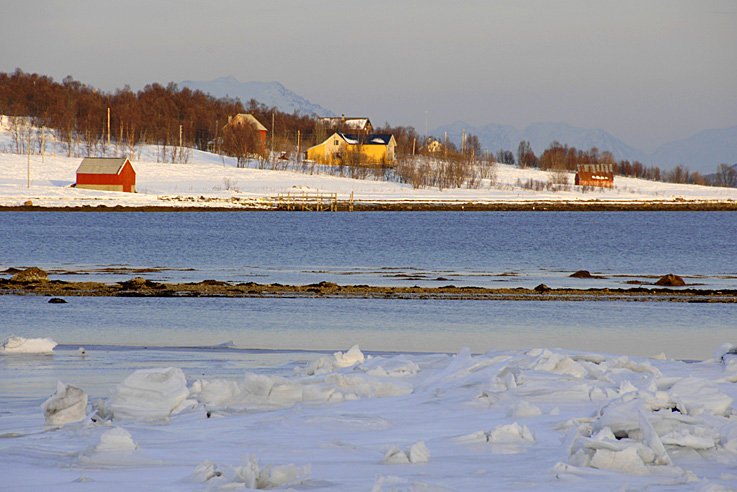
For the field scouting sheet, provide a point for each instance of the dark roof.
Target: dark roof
(101, 165)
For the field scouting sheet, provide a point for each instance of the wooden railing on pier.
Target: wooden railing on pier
(313, 201)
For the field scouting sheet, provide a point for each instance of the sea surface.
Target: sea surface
(488, 249)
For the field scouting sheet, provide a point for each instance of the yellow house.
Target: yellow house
(341, 148)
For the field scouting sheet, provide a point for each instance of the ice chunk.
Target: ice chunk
(651, 438)
(68, 404)
(556, 363)
(153, 393)
(698, 395)
(251, 475)
(417, 453)
(352, 357)
(116, 440)
(722, 350)
(603, 451)
(339, 360)
(524, 408)
(205, 471)
(511, 434)
(20, 345)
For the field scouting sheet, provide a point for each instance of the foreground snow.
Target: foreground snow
(209, 180)
(505, 420)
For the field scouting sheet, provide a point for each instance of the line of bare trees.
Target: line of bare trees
(559, 157)
(166, 116)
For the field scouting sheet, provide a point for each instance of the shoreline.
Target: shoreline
(413, 206)
(139, 287)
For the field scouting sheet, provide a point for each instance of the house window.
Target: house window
(335, 143)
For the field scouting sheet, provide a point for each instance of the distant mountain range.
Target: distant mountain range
(495, 137)
(272, 94)
(702, 152)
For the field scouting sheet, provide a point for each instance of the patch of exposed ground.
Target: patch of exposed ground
(139, 287)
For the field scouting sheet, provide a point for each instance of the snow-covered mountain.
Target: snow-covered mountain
(272, 94)
(702, 152)
(495, 137)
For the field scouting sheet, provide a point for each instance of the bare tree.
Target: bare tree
(241, 141)
(525, 155)
(726, 176)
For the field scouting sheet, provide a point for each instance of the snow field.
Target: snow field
(540, 419)
(210, 180)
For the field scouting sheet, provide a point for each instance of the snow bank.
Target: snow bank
(68, 404)
(20, 345)
(330, 379)
(151, 394)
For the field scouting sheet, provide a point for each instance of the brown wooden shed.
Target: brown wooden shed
(601, 175)
(107, 174)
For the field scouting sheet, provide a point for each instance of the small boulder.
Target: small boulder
(670, 280)
(582, 274)
(33, 274)
(542, 288)
(57, 300)
(134, 284)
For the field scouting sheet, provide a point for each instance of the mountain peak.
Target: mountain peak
(271, 94)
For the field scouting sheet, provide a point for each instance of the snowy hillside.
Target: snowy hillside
(272, 94)
(214, 180)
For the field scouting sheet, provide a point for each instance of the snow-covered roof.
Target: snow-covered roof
(374, 139)
(101, 165)
(352, 123)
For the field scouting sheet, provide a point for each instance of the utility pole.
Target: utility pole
(272, 132)
(298, 152)
(29, 158)
(180, 144)
(108, 127)
(43, 144)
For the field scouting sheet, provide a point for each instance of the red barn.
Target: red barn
(108, 174)
(601, 175)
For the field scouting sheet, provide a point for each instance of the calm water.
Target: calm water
(486, 249)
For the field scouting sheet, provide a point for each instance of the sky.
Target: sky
(647, 71)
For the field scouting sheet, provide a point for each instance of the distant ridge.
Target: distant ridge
(271, 94)
(702, 152)
(495, 137)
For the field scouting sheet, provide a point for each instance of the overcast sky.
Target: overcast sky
(647, 71)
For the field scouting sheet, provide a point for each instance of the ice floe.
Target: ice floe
(19, 345)
(536, 419)
(151, 394)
